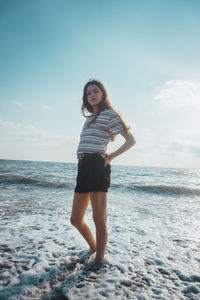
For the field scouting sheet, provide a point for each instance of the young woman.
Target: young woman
(94, 169)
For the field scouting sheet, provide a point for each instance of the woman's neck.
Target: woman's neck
(95, 109)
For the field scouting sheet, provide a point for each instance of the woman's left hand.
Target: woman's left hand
(108, 159)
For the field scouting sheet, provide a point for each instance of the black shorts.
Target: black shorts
(92, 176)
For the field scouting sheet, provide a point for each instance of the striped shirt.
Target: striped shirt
(95, 137)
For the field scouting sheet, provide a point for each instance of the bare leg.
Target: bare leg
(80, 203)
(99, 206)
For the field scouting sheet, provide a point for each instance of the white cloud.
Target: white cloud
(19, 104)
(176, 147)
(185, 139)
(46, 107)
(8, 124)
(29, 142)
(20, 132)
(179, 93)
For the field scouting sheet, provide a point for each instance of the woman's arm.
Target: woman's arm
(130, 142)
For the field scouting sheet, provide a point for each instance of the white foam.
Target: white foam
(152, 251)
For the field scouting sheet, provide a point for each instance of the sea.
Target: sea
(153, 249)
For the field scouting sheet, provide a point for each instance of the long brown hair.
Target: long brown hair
(105, 103)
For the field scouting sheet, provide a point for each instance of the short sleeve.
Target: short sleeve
(115, 125)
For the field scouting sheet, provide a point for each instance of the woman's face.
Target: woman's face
(94, 95)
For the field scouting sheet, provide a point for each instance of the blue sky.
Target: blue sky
(146, 52)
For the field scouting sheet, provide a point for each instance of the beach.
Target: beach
(153, 249)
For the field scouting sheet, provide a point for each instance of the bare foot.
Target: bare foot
(98, 262)
(93, 250)
(95, 266)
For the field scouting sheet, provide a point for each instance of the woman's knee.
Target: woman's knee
(75, 222)
(99, 220)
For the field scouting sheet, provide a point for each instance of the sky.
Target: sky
(145, 52)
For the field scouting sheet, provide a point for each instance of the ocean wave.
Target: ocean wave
(58, 183)
(18, 179)
(166, 189)
(161, 189)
